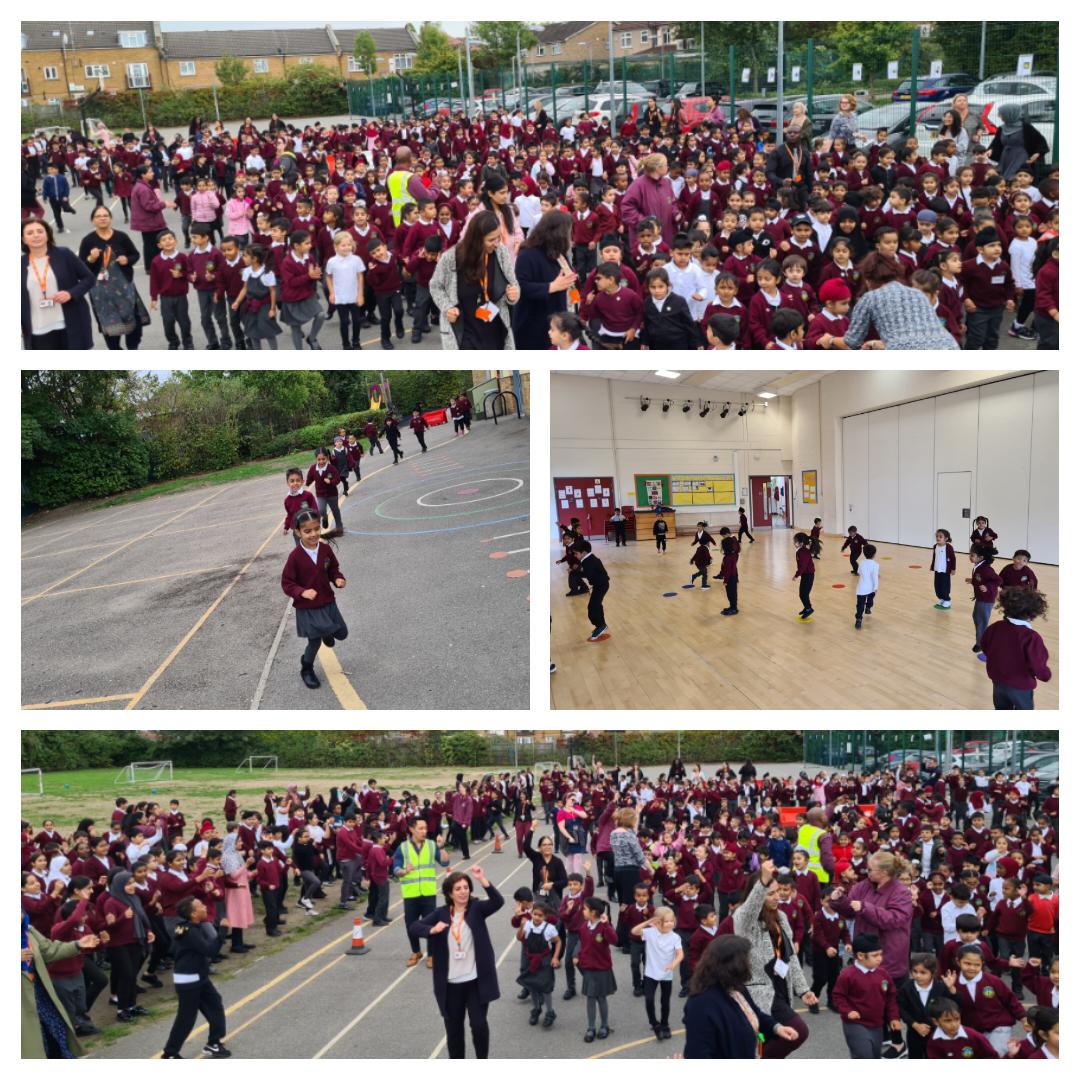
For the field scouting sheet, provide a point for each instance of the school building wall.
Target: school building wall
(598, 429)
(40, 89)
(205, 75)
(880, 440)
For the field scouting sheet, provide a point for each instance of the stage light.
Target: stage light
(766, 394)
(704, 409)
(725, 410)
(667, 404)
(644, 404)
(743, 409)
(686, 406)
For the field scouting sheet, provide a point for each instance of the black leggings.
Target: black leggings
(462, 998)
(806, 583)
(1026, 307)
(349, 318)
(315, 643)
(626, 878)
(125, 961)
(665, 1000)
(131, 341)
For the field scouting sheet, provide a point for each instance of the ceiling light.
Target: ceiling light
(669, 374)
(743, 408)
(725, 410)
(686, 406)
(644, 404)
(667, 404)
(705, 407)
(766, 394)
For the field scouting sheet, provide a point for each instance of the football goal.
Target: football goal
(33, 782)
(258, 763)
(142, 771)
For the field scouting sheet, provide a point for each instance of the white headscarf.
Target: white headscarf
(231, 859)
(54, 871)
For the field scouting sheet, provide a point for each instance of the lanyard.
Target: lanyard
(456, 925)
(106, 257)
(483, 281)
(42, 278)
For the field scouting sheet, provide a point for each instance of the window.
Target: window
(665, 36)
(53, 101)
(303, 59)
(556, 49)
(50, 73)
(539, 50)
(402, 62)
(95, 71)
(25, 84)
(261, 67)
(138, 77)
(645, 37)
(689, 44)
(355, 65)
(132, 39)
(626, 39)
(187, 67)
(24, 39)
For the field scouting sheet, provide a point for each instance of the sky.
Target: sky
(455, 29)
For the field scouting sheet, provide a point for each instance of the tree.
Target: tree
(499, 41)
(230, 70)
(434, 53)
(872, 44)
(364, 50)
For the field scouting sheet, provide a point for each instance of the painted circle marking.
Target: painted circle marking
(517, 485)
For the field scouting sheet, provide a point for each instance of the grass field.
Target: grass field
(70, 796)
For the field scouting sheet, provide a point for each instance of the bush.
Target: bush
(53, 750)
(463, 748)
(311, 437)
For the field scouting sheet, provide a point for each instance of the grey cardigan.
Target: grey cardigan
(444, 293)
(747, 920)
(626, 849)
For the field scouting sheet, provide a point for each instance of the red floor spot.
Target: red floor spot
(517, 573)
(839, 586)
(497, 555)
(468, 491)
(914, 566)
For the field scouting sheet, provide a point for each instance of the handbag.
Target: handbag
(118, 306)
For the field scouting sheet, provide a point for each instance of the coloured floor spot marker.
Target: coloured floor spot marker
(839, 586)
(497, 555)
(671, 594)
(914, 566)
(517, 573)
(688, 586)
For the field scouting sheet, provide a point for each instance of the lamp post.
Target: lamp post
(469, 67)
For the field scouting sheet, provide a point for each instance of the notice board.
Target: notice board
(703, 489)
(651, 487)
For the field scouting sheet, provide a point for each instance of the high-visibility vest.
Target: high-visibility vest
(397, 183)
(808, 840)
(421, 870)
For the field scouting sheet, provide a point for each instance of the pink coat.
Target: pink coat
(238, 213)
(238, 901)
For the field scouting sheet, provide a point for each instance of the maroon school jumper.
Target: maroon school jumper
(994, 1004)
(162, 281)
(967, 1044)
(292, 506)
(1015, 655)
(700, 940)
(985, 574)
(1022, 578)
(595, 955)
(325, 482)
(301, 574)
(869, 993)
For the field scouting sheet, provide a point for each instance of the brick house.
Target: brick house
(395, 49)
(572, 42)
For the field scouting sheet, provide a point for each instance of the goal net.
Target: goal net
(33, 782)
(258, 763)
(142, 771)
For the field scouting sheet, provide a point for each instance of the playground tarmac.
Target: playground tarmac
(175, 601)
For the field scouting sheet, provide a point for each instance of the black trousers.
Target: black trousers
(596, 605)
(1009, 697)
(854, 560)
(942, 586)
(390, 305)
(826, 971)
(95, 981)
(192, 999)
(378, 901)
(732, 588)
(420, 439)
(462, 998)
(626, 877)
(661, 543)
(415, 908)
(459, 834)
(270, 903)
(576, 580)
(665, 1000)
(637, 960)
(149, 247)
(620, 533)
(744, 529)
(1047, 329)
(806, 584)
(349, 320)
(174, 310)
(124, 962)
(864, 603)
(394, 447)
(983, 328)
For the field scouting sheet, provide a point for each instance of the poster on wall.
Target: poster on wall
(701, 489)
(652, 488)
(809, 486)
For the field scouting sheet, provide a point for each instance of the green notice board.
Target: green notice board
(648, 487)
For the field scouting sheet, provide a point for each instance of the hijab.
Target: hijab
(54, 871)
(1011, 116)
(140, 923)
(231, 859)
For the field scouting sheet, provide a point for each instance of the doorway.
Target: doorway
(780, 502)
(760, 502)
(954, 506)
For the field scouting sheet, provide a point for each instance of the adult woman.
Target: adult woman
(129, 934)
(902, 316)
(881, 905)
(1016, 142)
(195, 128)
(117, 306)
(463, 969)
(496, 198)
(544, 275)
(276, 123)
(28, 193)
(776, 973)
(523, 816)
(55, 314)
(969, 121)
(627, 858)
(952, 128)
(845, 124)
(571, 829)
(284, 159)
(801, 122)
(722, 1020)
(476, 276)
(650, 195)
(653, 118)
(549, 872)
(147, 215)
(46, 1028)
(238, 908)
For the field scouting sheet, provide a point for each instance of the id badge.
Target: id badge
(998, 280)
(487, 312)
(459, 955)
(780, 969)
(45, 302)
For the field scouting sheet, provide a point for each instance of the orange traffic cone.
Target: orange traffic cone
(498, 845)
(357, 948)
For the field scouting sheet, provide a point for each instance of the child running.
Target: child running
(804, 573)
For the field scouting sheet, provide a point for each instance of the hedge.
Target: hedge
(313, 436)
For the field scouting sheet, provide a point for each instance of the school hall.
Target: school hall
(884, 459)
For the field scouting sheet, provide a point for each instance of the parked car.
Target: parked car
(936, 87)
(693, 112)
(1035, 94)
(1050, 747)
(601, 107)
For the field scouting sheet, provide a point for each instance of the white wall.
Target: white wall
(916, 494)
(597, 427)
(1043, 492)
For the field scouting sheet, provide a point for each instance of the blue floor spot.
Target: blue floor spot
(671, 594)
(688, 586)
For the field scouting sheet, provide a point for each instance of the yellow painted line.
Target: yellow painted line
(339, 681)
(347, 936)
(122, 547)
(78, 701)
(140, 580)
(70, 532)
(360, 1016)
(631, 1045)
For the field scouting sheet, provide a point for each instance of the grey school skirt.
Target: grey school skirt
(598, 983)
(299, 312)
(319, 622)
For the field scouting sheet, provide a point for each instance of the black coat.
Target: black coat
(74, 276)
(556, 869)
(1034, 143)
(670, 328)
(780, 169)
(529, 316)
(716, 1026)
(439, 946)
(121, 245)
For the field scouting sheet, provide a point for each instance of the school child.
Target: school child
(393, 436)
(828, 938)
(204, 266)
(663, 954)
(986, 583)
(565, 332)
(684, 899)
(832, 321)
(744, 525)
(421, 264)
(299, 303)
(701, 559)
(572, 916)
(419, 425)
(721, 331)
(325, 477)
(704, 935)
(983, 534)
(597, 576)
(788, 328)
(340, 459)
(867, 587)
(345, 288)
(268, 876)
(586, 233)
(541, 948)
(668, 323)
(1008, 928)
(384, 280)
(1018, 574)
(169, 277)
(57, 191)
(804, 573)
(1016, 656)
(990, 289)
(1046, 988)
(594, 963)
(307, 577)
(866, 998)
(230, 273)
(575, 579)
(1046, 292)
(256, 303)
(914, 998)
(631, 915)
(943, 566)
(1022, 250)
(987, 1005)
(950, 1038)
(613, 311)
(729, 570)
(856, 543)
(1042, 920)
(297, 498)
(659, 531)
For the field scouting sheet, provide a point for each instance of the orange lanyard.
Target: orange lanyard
(106, 257)
(43, 277)
(483, 282)
(455, 929)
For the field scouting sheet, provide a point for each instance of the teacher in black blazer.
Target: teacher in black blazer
(721, 1018)
(55, 281)
(789, 165)
(543, 275)
(463, 959)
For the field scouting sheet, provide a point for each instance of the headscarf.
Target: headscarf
(1011, 116)
(140, 923)
(231, 859)
(54, 871)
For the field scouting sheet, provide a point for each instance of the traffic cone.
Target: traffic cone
(498, 845)
(357, 948)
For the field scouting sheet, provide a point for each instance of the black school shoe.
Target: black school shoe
(603, 1032)
(523, 995)
(549, 1019)
(815, 1009)
(217, 1050)
(570, 993)
(152, 980)
(665, 1031)
(388, 344)
(534, 1017)
(590, 1035)
(307, 674)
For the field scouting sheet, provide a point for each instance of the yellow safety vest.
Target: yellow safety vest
(808, 838)
(397, 183)
(421, 870)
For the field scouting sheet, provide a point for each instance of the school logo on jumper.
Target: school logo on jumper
(988, 992)
(968, 1051)
(884, 986)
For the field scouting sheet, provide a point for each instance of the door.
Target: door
(760, 493)
(591, 499)
(954, 506)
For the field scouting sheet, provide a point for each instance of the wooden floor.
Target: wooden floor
(679, 652)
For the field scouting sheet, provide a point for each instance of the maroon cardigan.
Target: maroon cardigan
(301, 573)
